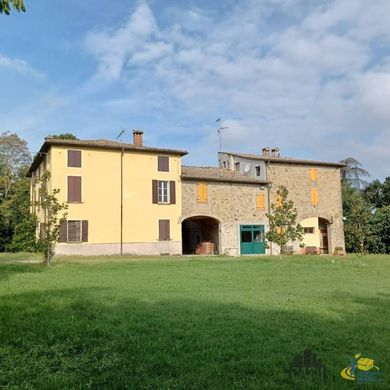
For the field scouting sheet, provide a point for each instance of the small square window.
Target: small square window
(308, 230)
(163, 163)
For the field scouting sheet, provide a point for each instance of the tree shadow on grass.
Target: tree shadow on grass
(7, 270)
(87, 338)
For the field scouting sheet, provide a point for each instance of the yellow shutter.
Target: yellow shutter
(278, 201)
(260, 201)
(314, 199)
(201, 192)
(313, 174)
(205, 193)
(278, 230)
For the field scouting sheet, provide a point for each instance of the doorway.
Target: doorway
(252, 239)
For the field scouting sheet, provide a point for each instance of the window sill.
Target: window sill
(74, 202)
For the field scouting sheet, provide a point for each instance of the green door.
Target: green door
(252, 239)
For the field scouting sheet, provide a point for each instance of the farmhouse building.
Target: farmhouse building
(134, 199)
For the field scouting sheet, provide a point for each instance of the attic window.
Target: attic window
(237, 166)
(258, 171)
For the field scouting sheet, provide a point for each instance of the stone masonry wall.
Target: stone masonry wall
(232, 204)
(297, 180)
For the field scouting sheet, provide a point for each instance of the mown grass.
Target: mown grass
(189, 322)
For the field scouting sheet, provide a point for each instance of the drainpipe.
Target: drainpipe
(269, 209)
(121, 245)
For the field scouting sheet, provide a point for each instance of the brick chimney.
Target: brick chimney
(137, 137)
(266, 151)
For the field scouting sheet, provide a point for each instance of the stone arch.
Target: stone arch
(198, 229)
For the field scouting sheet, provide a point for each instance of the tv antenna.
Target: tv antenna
(219, 131)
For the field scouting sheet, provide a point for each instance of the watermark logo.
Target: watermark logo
(362, 370)
(309, 366)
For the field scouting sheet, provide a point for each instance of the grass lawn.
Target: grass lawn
(189, 322)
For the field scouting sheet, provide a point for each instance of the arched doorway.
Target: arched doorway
(316, 234)
(323, 225)
(198, 232)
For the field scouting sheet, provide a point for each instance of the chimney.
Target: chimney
(266, 151)
(275, 152)
(137, 137)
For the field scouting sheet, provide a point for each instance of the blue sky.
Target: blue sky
(309, 76)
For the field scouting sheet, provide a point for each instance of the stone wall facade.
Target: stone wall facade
(232, 204)
(299, 184)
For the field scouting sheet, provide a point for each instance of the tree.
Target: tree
(357, 216)
(373, 194)
(353, 173)
(22, 222)
(379, 240)
(6, 5)
(14, 157)
(54, 214)
(386, 192)
(63, 136)
(282, 221)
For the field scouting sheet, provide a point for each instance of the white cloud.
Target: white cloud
(18, 65)
(310, 76)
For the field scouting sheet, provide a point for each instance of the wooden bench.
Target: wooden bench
(312, 250)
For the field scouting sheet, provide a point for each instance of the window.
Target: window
(202, 192)
(74, 158)
(260, 201)
(74, 231)
(258, 171)
(313, 174)
(74, 189)
(163, 163)
(314, 196)
(224, 164)
(308, 230)
(163, 229)
(163, 191)
(237, 166)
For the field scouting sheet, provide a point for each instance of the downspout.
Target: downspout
(269, 185)
(121, 240)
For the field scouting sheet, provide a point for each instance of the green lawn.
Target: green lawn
(189, 322)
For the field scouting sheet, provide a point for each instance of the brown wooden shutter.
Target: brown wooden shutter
(172, 192)
(74, 158)
(74, 188)
(163, 163)
(63, 232)
(84, 231)
(163, 229)
(155, 191)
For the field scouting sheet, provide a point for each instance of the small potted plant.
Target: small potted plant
(302, 246)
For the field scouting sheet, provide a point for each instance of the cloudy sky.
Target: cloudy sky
(309, 76)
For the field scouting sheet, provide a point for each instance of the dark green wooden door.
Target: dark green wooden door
(252, 239)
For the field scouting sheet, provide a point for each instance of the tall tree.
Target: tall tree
(282, 221)
(357, 217)
(14, 157)
(7, 5)
(353, 173)
(373, 194)
(379, 240)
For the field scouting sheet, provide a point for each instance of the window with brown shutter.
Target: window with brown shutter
(74, 189)
(63, 232)
(154, 191)
(163, 229)
(84, 231)
(163, 163)
(74, 158)
(74, 231)
(172, 192)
